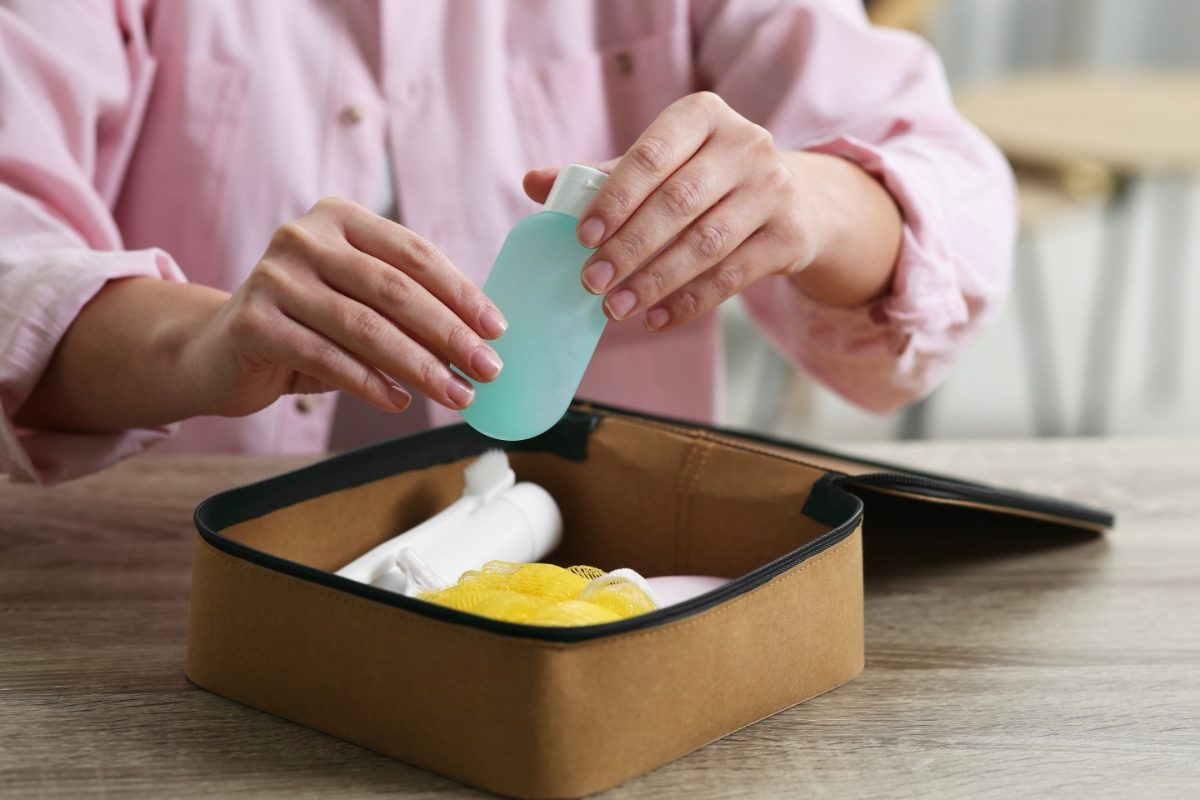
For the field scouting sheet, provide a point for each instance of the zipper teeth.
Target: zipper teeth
(979, 493)
(760, 575)
(751, 580)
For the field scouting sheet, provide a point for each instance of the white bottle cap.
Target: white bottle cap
(574, 189)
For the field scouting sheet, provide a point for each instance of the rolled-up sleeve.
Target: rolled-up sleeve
(74, 79)
(821, 78)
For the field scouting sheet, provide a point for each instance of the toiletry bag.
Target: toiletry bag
(536, 712)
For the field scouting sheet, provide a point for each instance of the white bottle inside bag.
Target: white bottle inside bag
(495, 519)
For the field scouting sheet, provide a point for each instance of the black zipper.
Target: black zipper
(359, 466)
(965, 491)
(751, 580)
(569, 440)
(898, 477)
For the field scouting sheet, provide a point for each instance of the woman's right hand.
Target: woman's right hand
(346, 299)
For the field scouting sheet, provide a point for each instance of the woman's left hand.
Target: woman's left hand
(702, 205)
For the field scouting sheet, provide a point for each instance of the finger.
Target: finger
(319, 360)
(537, 183)
(689, 192)
(399, 247)
(411, 307)
(710, 239)
(369, 336)
(670, 141)
(754, 259)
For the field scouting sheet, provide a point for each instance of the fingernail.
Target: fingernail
(460, 392)
(591, 232)
(657, 317)
(399, 397)
(485, 362)
(621, 303)
(597, 276)
(492, 322)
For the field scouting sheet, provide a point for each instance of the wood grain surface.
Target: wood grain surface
(1067, 670)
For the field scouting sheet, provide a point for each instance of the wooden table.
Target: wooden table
(1073, 670)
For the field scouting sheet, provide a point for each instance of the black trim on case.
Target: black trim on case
(1000, 499)
(444, 445)
(831, 502)
(828, 503)
(568, 439)
(751, 580)
(898, 477)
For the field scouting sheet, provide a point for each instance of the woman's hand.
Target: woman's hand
(345, 299)
(342, 299)
(703, 204)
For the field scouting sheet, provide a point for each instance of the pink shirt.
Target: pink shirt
(169, 139)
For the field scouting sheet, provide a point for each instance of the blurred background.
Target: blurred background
(1097, 105)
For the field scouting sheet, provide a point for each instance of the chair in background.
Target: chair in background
(909, 15)
(1085, 137)
(1106, 133)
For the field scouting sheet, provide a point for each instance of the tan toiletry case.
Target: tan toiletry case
(539, 712)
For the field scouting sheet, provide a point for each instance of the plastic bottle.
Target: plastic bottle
(554, 323)
(495, 519)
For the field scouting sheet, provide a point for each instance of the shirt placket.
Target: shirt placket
(405, 31)
(355, 121)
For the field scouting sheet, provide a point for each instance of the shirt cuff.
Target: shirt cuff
(41, 296)
(925, 293)
(868, 353)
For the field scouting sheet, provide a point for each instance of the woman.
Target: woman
(164, 271)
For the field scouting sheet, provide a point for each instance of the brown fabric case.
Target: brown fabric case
(555, 712)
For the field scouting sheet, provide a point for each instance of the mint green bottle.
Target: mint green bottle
(553, 322)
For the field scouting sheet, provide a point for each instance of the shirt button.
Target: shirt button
(352, 114)
(305, 403)
(624, 63)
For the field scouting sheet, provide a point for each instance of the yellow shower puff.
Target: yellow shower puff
(617, 595)
(543, 594)
(572, 612)
(510, 606)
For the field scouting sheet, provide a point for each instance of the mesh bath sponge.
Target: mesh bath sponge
(544, 594)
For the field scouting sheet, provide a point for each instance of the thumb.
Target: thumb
(537, 183)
